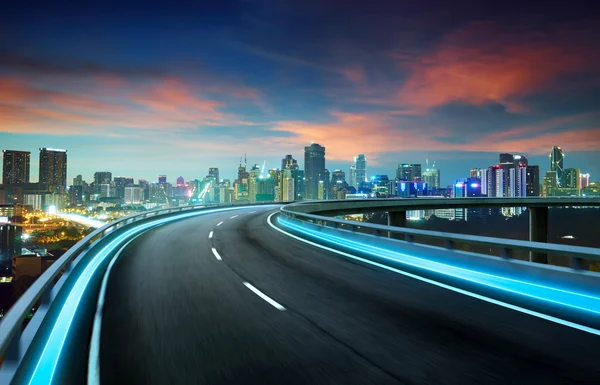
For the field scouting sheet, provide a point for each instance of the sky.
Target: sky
(148, 88)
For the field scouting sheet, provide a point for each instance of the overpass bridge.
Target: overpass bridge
(294, 295)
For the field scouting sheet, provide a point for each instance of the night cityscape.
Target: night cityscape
(320, 192)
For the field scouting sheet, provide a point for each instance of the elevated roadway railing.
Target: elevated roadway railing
(323, 212)
(15, 336)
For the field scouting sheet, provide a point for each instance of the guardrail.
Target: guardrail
(14, 338)
(506, 246)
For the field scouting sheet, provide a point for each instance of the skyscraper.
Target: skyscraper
(403, 172)
(214, 172)
(353, 181)
(432, 177)
(557, 162)
(550, 183)
(53, 167)
(415, 172)
(361, 168)
(101, 177)
(584, 180)
(314, 169)
(571, 178)
(289, 163)
(533, 181)
(16, 167)
(162, 179)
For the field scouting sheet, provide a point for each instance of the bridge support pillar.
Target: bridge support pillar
(538, 231)
(398, 219)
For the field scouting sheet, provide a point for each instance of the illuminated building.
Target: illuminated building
(557, 162)
(360, 163)
(431, 176)
(105, 190)
(584, 180)
(321, 190)
(119, 184)
(353, 176)
(467, 188)
(214, 172)
(408, 172)
(287, 186)
(180, 181)
(314, 170)
(10, 239)
(476, 172)
(289, 163)
(158, 193)
(53, 167)
(571, 178)
(533, 181)
(253, 177)
(407, 189)
(162, 179)
(133, 195)
(16, 167)
(549, 183)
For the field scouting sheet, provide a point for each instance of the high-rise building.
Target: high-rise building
(105, 190)
(584, 180)
(78, 181)
(119, 184)
(533, 181)
(326, 179)
(214, 172)
(338, 182)
(158, 193)
(102, 177)
(289, 163)
(550, 183)
(415, 172)
(353, 181)
(432, 177)
(16, 167)
(134, 195)
(162, 179)
(557, 158)
(570, 178)
(506, 180)
(314, 169)
(404, 172)
(477, 172)
(53, 167)
(253, 178)
(287, 186)
(360, 163)
(180, 181)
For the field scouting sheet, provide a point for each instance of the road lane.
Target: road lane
(174, 314)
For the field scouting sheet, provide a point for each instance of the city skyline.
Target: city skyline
(182, 93)
(445, 180)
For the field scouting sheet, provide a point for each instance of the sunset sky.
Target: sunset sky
(171, 88)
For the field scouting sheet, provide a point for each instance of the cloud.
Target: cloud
(168, 103)
(483, 63)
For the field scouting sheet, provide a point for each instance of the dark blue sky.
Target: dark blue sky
(142, 88)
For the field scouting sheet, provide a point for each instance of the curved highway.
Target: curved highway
(226, 299)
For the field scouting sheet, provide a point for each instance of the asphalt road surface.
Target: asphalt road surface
(263, 308)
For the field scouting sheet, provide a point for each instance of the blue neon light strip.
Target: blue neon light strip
(566, 298)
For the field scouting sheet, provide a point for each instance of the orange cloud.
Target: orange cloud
(350, 133)
(168, 103)
(469, 69)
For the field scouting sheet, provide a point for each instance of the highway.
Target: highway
(224, 298)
